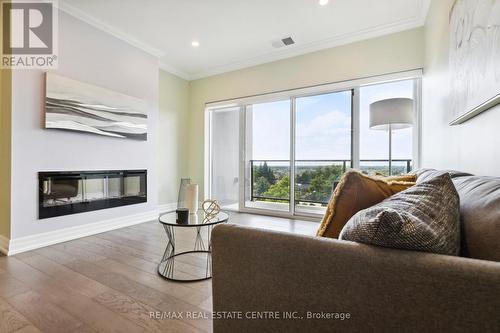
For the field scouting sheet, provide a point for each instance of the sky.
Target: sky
(324, 124)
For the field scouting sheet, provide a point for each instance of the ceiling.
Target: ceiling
(234, 34)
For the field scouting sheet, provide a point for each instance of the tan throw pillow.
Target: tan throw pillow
(409, 177)
(357, 191)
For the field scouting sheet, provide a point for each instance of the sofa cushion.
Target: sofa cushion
(357, 191)
(480, 216)
(426, 174)
(425, 217)
(479, 212)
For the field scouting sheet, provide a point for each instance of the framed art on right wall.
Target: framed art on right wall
(474, 57)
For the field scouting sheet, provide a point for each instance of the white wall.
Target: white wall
(471, 147)
(95, 57)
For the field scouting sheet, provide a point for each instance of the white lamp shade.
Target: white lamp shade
(396, 112)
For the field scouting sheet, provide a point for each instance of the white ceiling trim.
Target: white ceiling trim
(171, 69)
(373, 32)
(313, 47)
(79, 14)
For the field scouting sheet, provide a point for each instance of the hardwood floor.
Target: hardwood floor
(109, 283)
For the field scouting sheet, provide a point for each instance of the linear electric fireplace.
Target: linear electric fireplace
(71, 192)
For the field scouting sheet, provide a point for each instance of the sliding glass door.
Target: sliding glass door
(296, 150)
(286, 155)
(323, 147)
(294, 153)
(267, 156)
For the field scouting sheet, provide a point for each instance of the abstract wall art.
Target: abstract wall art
(474, 57)
(77, 106)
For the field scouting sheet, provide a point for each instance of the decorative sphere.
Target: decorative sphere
(211, 208)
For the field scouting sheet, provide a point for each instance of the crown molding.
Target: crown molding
(96, 23)
(314, 47)
(293, 51)
(372, 32)
(173, 70)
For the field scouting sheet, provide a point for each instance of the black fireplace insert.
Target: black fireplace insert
(70, 192)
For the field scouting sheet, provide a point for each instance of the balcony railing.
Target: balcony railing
(311, 174)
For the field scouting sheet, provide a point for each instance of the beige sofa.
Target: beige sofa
(266, 281)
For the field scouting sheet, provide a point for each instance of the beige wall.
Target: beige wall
(5, 148)
(473, 146)
(387, 54)
(173, 135)
(5, 151)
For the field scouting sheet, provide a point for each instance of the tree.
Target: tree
(261, 185)
(312, 183)
(305, 177)
(267, 173)
(280, 190)
(317, 184)
(320, 188)
(264, 171)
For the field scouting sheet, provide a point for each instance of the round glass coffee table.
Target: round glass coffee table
(192, 265)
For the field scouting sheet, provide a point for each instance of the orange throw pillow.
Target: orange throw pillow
(357, 191)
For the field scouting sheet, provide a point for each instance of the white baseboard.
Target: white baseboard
(22, 244)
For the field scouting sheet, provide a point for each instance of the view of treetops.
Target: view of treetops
(323, 144)
(313, 183)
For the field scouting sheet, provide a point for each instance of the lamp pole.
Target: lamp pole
(390, 149)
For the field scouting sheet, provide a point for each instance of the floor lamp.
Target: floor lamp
(389, 115)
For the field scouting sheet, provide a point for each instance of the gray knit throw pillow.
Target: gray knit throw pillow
(424, 217)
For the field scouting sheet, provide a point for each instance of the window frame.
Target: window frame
(292, 94)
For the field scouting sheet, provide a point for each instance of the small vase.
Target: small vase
(181, 198)
(192, 198)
